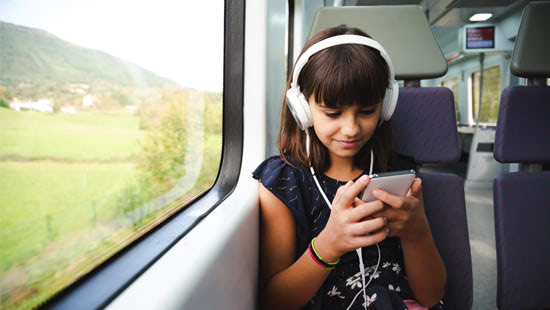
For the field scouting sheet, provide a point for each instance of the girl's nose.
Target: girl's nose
(350, 127)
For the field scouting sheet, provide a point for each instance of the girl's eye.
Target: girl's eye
(332, 114)
(367, 112)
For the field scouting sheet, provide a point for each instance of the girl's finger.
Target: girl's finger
(393, 228)
(349, 192)
(390, 213)
(365, 209)
(416, 188)
(390, 199)
(369, 226)
(338, 195)
(363, 241)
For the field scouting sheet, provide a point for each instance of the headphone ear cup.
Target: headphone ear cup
(307, 120)
(299, 107)
(390, 101)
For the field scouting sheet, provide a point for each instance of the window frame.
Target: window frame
(99, 287)
(290, 38)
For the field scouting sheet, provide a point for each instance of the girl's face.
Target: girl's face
(344, 130)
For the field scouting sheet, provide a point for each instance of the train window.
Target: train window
(452, 84)
(111, 121)
(490, 97)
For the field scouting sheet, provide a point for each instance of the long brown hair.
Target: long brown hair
(339, 76)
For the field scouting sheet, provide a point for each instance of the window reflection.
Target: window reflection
(100, 140)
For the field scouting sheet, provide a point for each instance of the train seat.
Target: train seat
(522, 199)
(424, 127)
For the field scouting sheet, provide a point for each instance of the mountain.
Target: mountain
(34, 58)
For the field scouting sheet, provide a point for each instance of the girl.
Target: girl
(307, 241)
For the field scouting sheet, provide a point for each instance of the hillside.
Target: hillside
(33, 61)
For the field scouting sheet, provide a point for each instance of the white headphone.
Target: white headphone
(298, 104)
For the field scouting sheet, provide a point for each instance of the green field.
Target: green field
(48, 209)
(68, 185)
(77, 188)
(42, 200)
(59, 178)
(83, 136)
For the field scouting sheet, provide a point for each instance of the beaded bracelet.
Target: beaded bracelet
(318, 259)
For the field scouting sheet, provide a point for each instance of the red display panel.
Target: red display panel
(481, 37)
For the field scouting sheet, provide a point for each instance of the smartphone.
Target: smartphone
(395, 182)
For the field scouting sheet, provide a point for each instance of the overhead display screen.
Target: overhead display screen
(480, 37)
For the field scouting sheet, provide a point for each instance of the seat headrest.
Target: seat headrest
(530, 57)
(403, 31)
(523, 129)
(424, 125)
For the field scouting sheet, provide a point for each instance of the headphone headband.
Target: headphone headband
(339, 40)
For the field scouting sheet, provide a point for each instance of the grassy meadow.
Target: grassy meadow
(93, 135)
(59, 177)
(67, 185)
(77, 188)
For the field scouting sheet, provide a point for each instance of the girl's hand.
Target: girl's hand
(405, 215)
(351, 224)
(406, 219)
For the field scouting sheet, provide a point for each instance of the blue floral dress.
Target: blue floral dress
(294, 186)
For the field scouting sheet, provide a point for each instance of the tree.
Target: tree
(163, 150)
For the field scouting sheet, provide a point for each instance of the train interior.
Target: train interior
(449, 118)
(420, 61)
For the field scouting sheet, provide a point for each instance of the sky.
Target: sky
(181, 40)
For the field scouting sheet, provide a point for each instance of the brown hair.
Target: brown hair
(342, 75)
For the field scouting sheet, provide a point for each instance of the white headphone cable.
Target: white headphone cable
(359, 250)
(329, 204)
(362, 269)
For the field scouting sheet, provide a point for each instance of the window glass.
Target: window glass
(491, 94)
(452, 84)
(110, 122)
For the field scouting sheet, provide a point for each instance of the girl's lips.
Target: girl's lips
(348, 143)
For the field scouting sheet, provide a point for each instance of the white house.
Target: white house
(89, 101)
(42, 105)
(69, 109)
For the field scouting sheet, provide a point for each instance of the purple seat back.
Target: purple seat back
(523, 126)
(424, 127)
(522, 199)
(445, 208)
(522, 225)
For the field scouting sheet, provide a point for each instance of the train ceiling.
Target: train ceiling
(449, 12)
